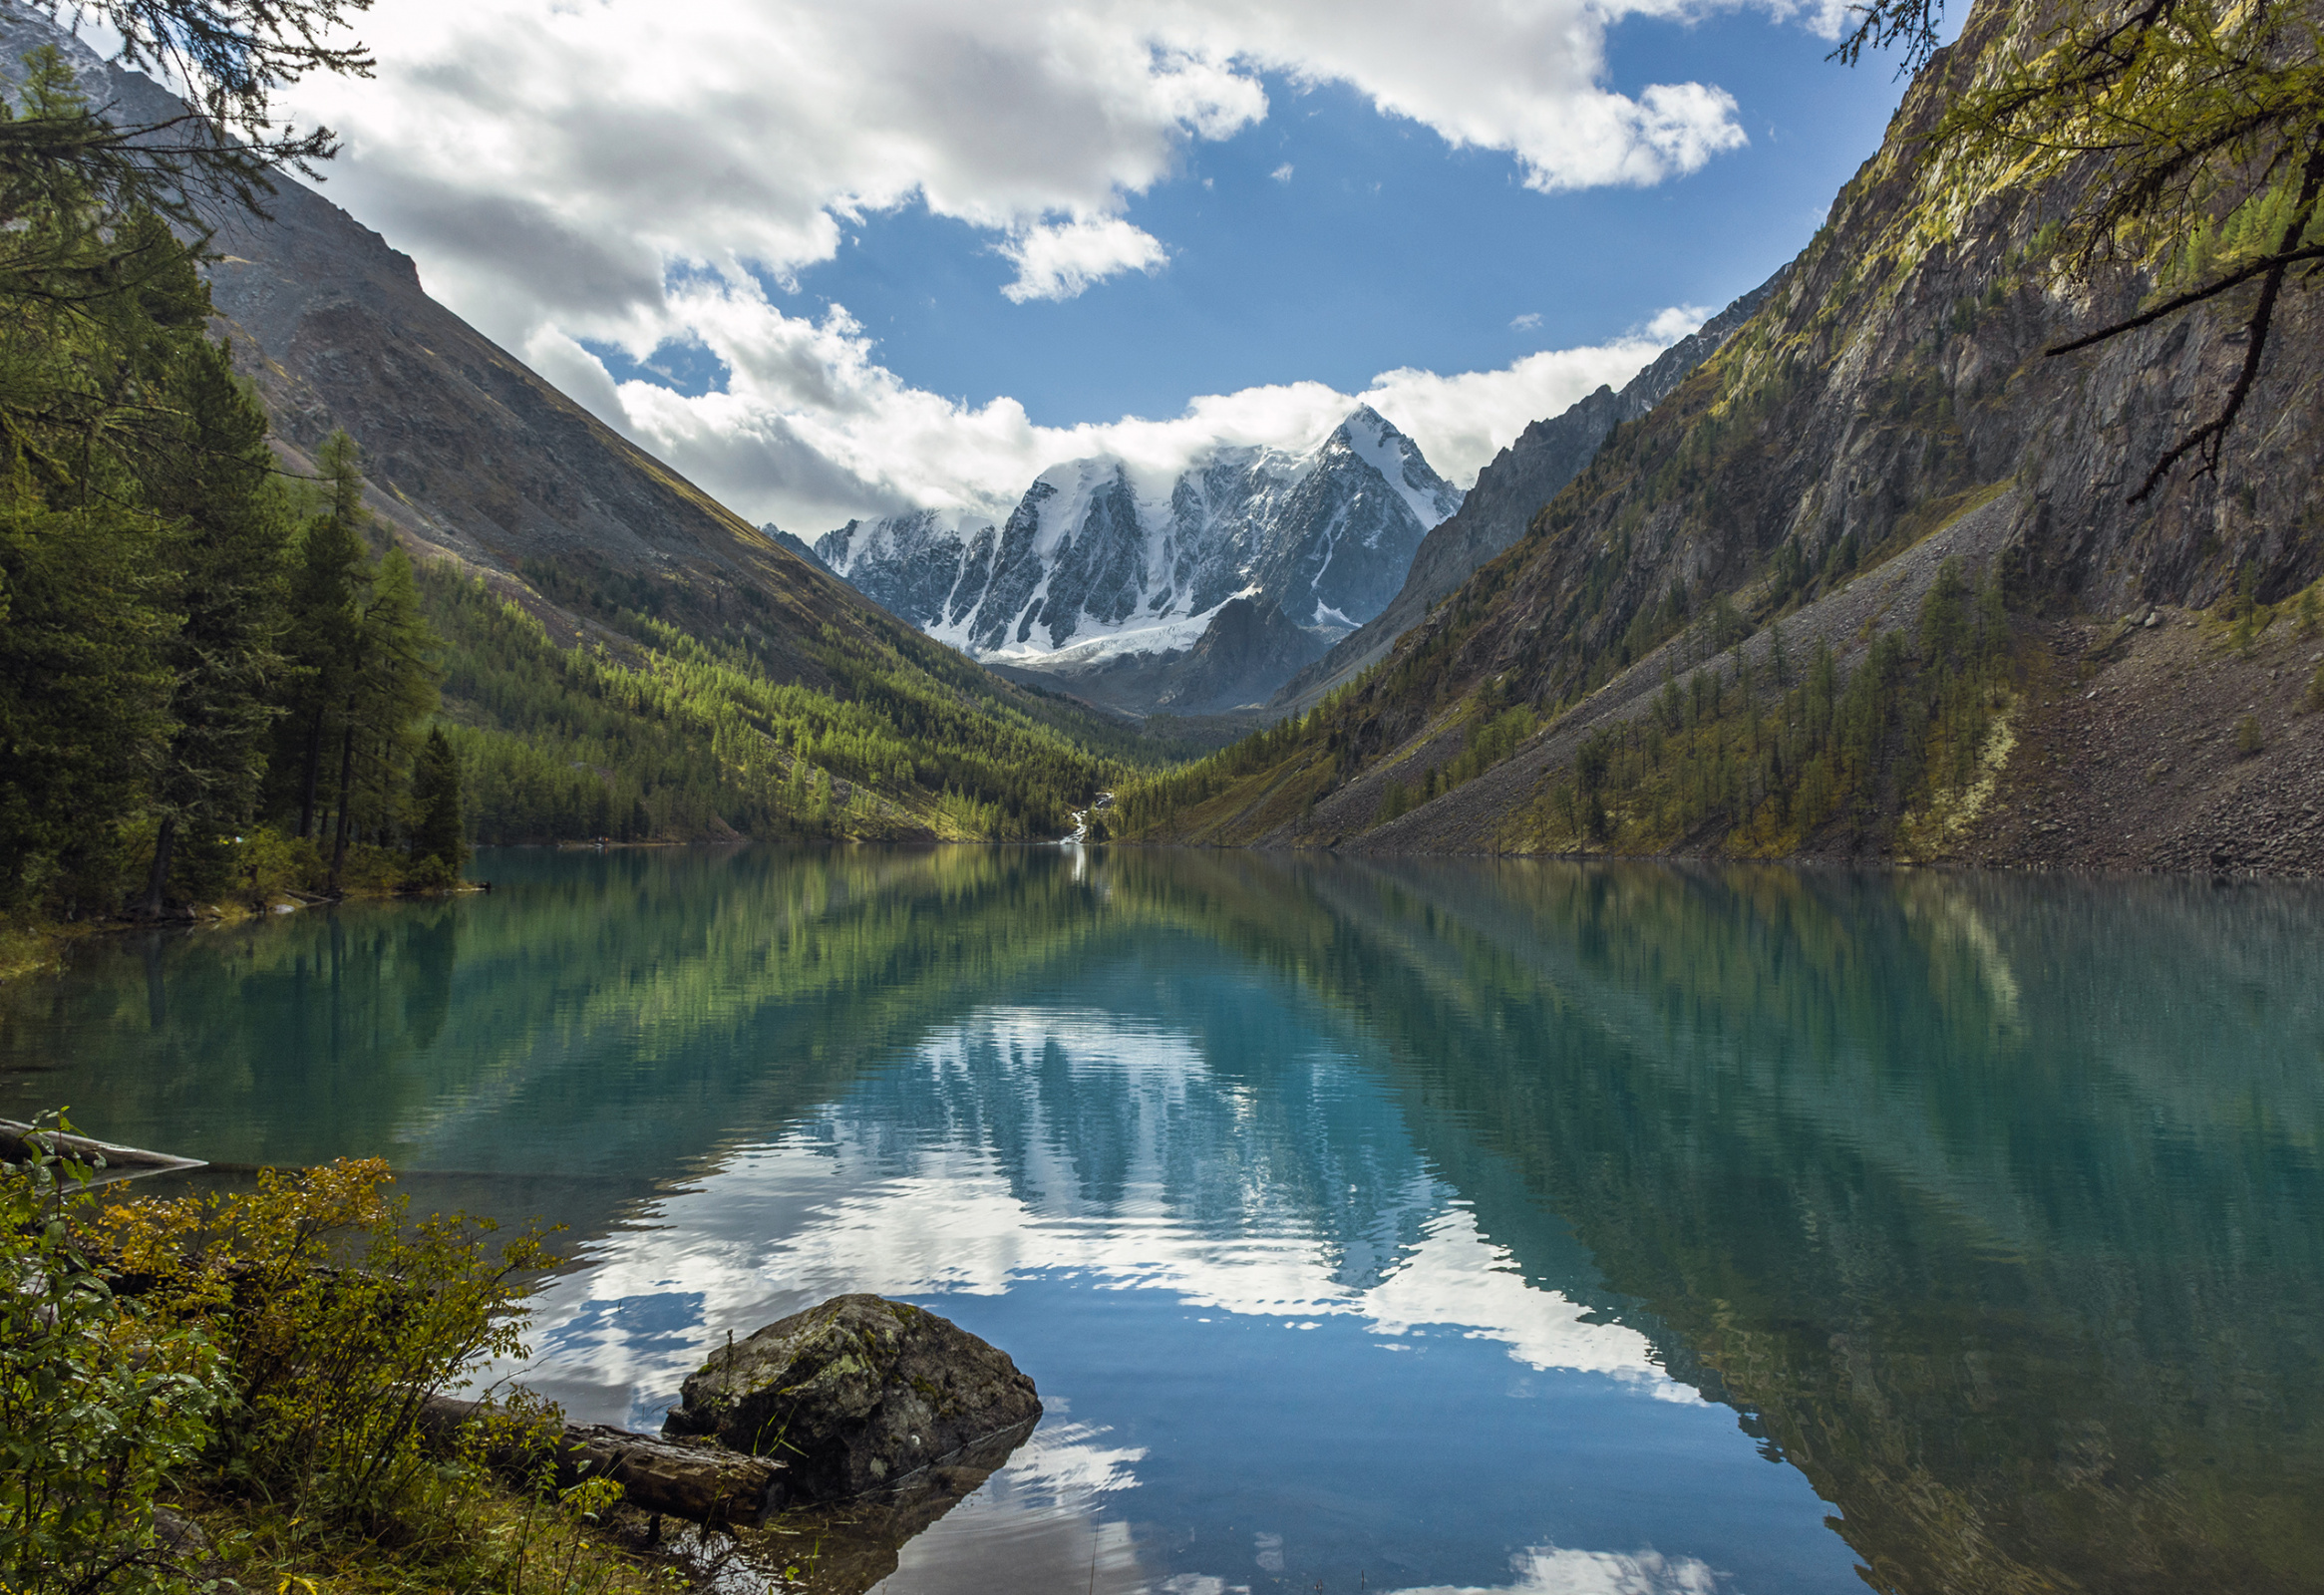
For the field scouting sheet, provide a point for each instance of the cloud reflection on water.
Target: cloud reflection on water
(1554, 1570)
(969, 1206)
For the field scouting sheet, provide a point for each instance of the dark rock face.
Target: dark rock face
(918, 563)
(1250, 645)
(1345, 534)
(1521, 479)
(797, 545)
(1016, 573)
(855, 1395)
(1100, 569)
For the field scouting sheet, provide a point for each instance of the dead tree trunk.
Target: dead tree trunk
(704, 1482)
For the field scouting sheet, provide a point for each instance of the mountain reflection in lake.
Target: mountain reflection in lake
(1445, 1226)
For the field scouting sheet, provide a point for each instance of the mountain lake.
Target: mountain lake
(1386, 1226)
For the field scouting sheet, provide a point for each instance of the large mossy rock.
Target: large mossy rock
(853, 1396)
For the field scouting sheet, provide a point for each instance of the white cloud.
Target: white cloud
(1669, 326)
(628, 173)
(1057, 261)
(1527, 322)
(733, 130)
(1556, 1570)
(810, 428)
(1281, 173)
(546, 161)
(1461, 422)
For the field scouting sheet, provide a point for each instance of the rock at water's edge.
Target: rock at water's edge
(853, 1396)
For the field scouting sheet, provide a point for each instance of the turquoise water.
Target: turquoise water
(1439, 1226)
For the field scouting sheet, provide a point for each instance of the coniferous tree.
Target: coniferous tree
(84, 694)
(392, 689)
(323, 618)
(94, 309)
(438, 830)
(230, 526)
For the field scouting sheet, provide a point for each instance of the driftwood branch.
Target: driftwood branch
(21, 1143)
(699, 1480)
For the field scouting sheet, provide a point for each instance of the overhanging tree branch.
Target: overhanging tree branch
(2146, 318)
(229, 56)
(2208, 439)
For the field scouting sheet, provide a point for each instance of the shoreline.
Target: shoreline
(51, 945)
(41, 948)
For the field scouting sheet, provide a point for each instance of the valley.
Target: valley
(1428, 668)
(1619, 906)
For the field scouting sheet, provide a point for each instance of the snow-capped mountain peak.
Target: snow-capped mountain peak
(1098, 559)
(1374, 439)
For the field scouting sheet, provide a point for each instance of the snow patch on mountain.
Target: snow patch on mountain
(1167, 637)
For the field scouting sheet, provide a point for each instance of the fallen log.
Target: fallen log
(696, 1479)
(19, 1143)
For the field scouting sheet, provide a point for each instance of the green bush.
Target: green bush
(101, 1401)
(2249, 739)
(338, 1316)
(429, 873)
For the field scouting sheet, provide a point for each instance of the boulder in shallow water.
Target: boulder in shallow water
(855, 1395)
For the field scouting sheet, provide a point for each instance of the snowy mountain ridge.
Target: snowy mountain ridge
(1100, 560)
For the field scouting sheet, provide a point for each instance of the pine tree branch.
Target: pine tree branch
(2213, 433)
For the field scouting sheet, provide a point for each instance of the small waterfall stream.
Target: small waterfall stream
(1080, 820)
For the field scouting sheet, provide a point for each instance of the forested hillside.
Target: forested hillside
(246, 649)
(642, 729)
(1903, 572)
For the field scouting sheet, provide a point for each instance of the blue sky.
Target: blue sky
(836, 257)
(1384, 247)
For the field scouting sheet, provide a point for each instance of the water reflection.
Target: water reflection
(1439, 1226)
(1064, 1144)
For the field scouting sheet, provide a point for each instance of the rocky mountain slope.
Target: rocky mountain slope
(1103, 576)
(1890, 403)
(472, 454)
(1521, 479)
